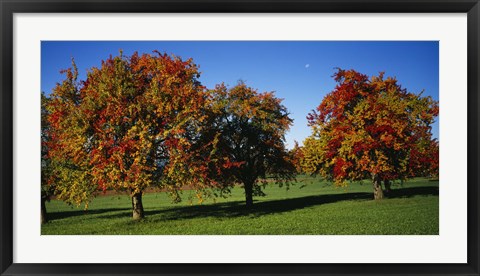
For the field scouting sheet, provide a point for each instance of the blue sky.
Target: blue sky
(298, 71)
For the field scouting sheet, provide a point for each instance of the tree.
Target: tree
(371, 128)
(250, 138)
(47, 188)
(133, 123)
(67, 143)
(296, 157)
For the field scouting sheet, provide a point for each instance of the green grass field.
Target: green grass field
(316, 209)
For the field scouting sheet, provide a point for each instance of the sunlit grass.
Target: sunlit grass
(311, 206)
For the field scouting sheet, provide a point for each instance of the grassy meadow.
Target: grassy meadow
(310, 207)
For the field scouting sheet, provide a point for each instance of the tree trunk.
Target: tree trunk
(248, 194)
(388, 185)
(43, 211)
(377, 188)
(137, 206)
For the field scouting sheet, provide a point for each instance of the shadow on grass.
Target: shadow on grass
(237, 208)
(260, 208)
(96, 212)
(413, 191)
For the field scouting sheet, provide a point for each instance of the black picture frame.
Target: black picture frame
(9, 7)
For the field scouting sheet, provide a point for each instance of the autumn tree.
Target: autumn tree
(371, 128)
(133, 123)
(250, 129)
(47, 188)
(296, 157)
(67, 144)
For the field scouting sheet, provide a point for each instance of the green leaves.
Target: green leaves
(250, 128)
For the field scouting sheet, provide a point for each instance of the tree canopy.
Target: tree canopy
(133, 123)
(371, 128)
(251, 129)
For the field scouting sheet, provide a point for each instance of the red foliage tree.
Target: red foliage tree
(371, 128)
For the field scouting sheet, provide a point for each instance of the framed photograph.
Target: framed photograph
(239, 137)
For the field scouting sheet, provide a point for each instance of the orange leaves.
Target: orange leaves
(147, 114)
